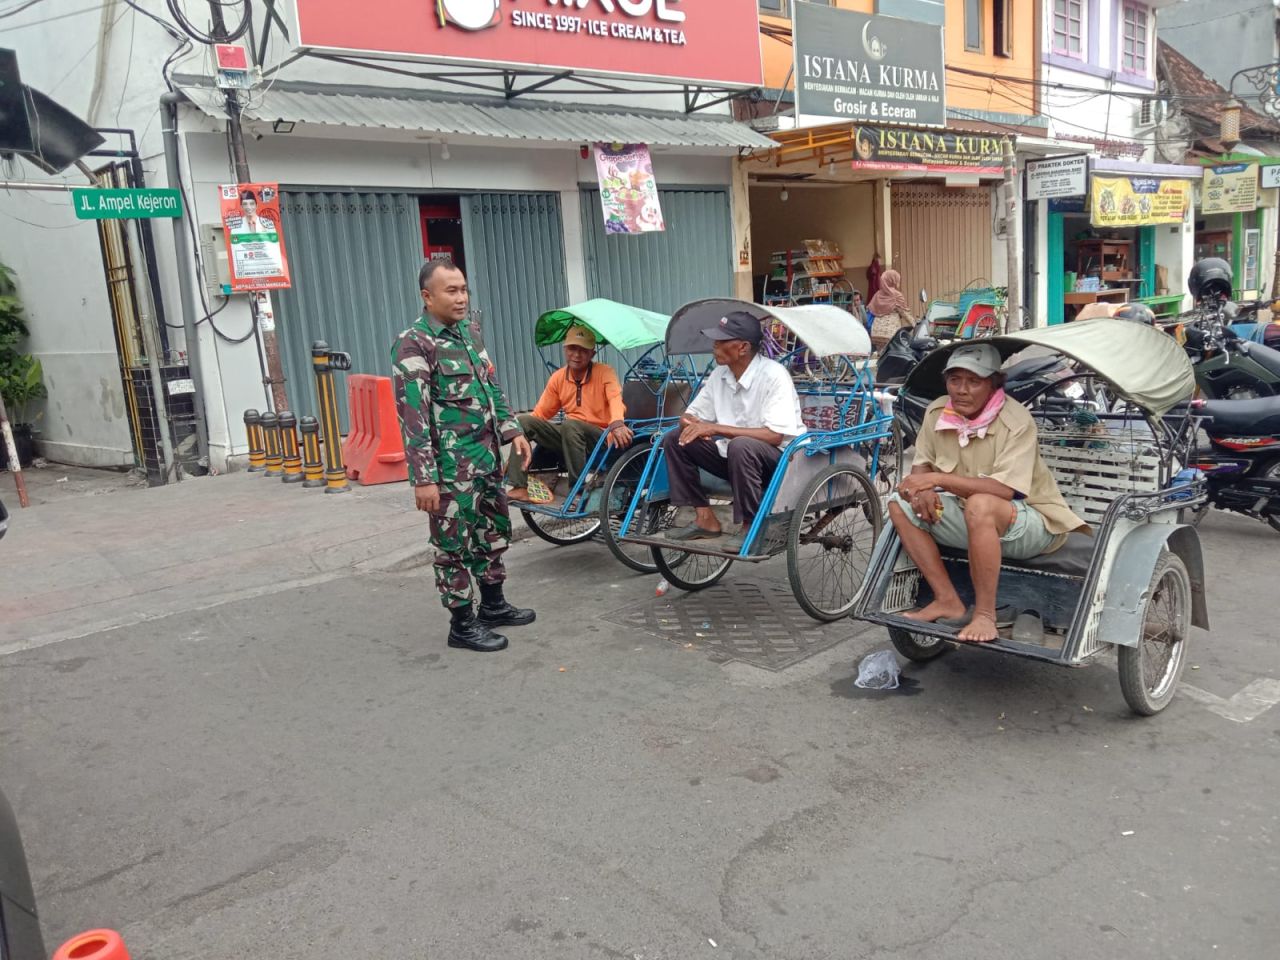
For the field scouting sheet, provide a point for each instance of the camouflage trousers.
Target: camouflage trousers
(470, 533)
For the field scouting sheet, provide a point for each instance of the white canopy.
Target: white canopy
(825, 329)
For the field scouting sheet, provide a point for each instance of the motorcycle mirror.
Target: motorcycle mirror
(924, 295)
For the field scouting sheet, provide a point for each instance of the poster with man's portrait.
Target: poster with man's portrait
(255, 244)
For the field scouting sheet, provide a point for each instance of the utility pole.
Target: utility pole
(1012, 243)
(269, 349)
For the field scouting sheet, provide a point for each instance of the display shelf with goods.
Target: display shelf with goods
(814, 274)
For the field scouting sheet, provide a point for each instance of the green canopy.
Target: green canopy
(1142, 364)
(617, 324)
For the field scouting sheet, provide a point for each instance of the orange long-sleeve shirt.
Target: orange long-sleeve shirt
(601, 398)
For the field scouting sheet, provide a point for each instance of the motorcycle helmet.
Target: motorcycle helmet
(1137, 312)
(1210, 277)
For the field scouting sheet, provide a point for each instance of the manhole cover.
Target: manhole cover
(759, 624)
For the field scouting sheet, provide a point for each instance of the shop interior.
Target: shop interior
(441, 218)
(1216, 236)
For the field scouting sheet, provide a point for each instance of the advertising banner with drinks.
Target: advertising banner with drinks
(255, 245)
(710, 41)
(1138, 201)
(628, 190)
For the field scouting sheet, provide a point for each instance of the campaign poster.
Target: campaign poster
(255, 243)
(628, 190)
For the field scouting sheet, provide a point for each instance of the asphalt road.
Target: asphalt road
(315, 775)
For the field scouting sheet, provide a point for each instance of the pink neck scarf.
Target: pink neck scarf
(950, 420)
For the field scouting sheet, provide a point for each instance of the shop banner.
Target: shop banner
(853, 66)
(1138, 201)
(888, 148)
(715, 41)
(1057, 177)
(628, 190)
(1230, 189)
(255, 245)
(1271, 176)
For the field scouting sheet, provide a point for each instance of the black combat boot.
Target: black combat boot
(496, 612)
(469, 633)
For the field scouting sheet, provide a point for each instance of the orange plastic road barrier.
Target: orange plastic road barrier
(374, 449)
(93, 945)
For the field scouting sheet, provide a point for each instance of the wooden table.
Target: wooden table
(1078, 299)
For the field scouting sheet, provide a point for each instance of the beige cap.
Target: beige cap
(578, 336)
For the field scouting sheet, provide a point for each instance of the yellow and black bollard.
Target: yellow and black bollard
(253, 430)
(324, 361)
(271, 438)
(312, 466)
(289, 452)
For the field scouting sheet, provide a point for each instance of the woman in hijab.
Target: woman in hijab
(889, 307)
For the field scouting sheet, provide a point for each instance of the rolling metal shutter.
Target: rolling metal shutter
(515, 255)
(354, 258)
(941, 237)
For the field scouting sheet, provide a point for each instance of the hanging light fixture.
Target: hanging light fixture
(1229, 125)
(784, 195)
(444, 150)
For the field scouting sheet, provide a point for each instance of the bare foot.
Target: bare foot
(981, 629)
(937, 610)
(518, 493)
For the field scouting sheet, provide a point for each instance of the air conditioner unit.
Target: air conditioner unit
(1152, 113)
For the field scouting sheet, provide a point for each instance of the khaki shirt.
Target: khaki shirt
(1008, 453)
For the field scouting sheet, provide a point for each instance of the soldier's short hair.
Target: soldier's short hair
(429, 270)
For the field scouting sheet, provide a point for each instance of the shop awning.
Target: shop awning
(446, 114)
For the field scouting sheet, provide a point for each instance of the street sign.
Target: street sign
(125, 204)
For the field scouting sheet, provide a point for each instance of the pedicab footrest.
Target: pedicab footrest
(1002, 645)
(705, 547)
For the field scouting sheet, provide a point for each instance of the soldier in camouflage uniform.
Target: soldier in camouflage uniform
(455, 419)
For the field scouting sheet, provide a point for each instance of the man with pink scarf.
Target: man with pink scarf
(977, 483)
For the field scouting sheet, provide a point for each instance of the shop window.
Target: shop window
(973, 25)
(1068, 27)
(1002, 27)
(1133, 56)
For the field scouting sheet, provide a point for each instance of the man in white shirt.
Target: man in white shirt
(736, 427)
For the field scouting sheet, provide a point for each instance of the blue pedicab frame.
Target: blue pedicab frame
(654, 384)
(821, 505)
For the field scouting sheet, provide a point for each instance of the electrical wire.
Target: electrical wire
(60, 16)
(18, 9)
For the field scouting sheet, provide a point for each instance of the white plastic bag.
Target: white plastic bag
(878, 671)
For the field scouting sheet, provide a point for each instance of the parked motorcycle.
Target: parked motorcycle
(1227, 367)
(1241, 466)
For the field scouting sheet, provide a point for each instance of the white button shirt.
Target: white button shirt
(764, 397)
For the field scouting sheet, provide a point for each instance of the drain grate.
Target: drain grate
(759, 624)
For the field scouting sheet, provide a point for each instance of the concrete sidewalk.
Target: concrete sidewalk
(96, 551)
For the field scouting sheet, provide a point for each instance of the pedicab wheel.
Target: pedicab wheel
(690, 571)
(829, 540)
(615, 499)
(562, 531)
(916, 646)
(1149, 672)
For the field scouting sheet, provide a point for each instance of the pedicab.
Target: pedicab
(653, 391)
(1136, 581)
(820, 506)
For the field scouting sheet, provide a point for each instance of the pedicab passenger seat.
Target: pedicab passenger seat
(640, 397)
(1070, 560)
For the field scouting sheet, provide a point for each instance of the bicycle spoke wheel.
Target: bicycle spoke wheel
(618, 491)
(830, 540)
(690, 571)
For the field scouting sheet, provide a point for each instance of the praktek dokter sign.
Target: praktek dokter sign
(704, 41)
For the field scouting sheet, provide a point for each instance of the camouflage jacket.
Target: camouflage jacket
(452, 412)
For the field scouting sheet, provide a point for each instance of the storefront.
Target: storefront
(1235, 220)
(1110, 231)
(373, 180)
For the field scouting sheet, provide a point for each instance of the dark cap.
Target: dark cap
(736, 325)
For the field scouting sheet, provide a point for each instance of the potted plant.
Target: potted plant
(21, 376)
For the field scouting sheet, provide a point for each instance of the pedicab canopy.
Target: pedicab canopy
(1142, 364)
(825, 329)
(617, 324)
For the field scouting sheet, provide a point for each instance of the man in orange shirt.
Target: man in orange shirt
(590, 396)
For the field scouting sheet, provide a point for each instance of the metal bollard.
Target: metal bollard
(324, 361)
(312, 466)
(289, 452)
(271, 438)
(257, 452)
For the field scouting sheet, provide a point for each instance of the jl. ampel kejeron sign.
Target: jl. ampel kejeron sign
(711, 41)
(852, 66)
